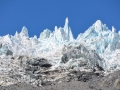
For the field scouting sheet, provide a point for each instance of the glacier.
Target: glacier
(97, 46)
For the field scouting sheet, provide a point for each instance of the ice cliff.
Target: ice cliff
(97, 46)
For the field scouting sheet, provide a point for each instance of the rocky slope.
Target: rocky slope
(83, 81)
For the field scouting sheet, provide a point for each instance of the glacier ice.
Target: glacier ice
(24, 32)
(100, 46)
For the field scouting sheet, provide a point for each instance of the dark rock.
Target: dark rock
(74, 72)
(84, 76)
(12, 58)
(46, 65)
(45, 83)
(39, 62)
(99, 67)
(31, 68)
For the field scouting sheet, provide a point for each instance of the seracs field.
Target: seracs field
(97, 47)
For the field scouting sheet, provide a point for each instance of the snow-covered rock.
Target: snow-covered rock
(80, 56)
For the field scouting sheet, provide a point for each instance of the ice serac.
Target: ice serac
(104, 41)
(96, 30)
(59, 34)
(119, 32)
(98, 25)
(63, 34)
(71, 38)
(17, 35)
(24, 32)
(68, 32)
(45, 34)
(66, 29)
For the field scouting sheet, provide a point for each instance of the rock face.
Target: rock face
(75, 80)
(33, 67)
(23, 69)
(39, 72)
